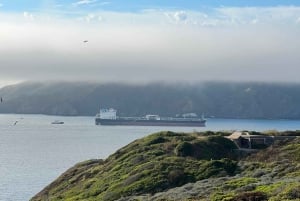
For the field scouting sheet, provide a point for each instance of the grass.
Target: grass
(152, 164)
(162, 161)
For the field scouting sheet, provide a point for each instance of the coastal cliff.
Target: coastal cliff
(178, 166)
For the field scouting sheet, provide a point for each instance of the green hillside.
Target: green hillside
(155, 163)
(176, 166)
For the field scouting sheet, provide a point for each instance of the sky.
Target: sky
(149, 40)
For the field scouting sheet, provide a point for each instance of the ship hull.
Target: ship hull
(123, 122)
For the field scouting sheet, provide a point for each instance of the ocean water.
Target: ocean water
(34, 152)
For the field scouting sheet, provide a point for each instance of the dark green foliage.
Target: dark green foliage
(271, 174)
(225, 143)
(293, 193)
(290, 133)
(277, 133)
(207, 133)
(157, 140)
(212, 147)
(184, 149)
(230, 166)
(281, 150)
(214, 133)
(176, 177)
(250, 196)
(225, 100)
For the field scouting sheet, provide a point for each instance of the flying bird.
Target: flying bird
(85, 41)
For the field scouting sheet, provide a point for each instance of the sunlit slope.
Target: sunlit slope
(271, 174)
(149, 165)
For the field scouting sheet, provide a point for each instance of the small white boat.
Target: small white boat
(57, 122)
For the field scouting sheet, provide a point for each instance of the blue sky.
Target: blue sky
(149, 40)
(136, 5)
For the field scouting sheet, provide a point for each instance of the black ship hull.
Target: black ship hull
(143, 122)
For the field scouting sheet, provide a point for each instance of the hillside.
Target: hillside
(177, 166)
(272, 174)
(149, 165)
(214, 99)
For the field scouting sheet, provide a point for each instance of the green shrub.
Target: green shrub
(176, 177)
(250, 196)
(237, 183)
(157, 140)
(184, 149)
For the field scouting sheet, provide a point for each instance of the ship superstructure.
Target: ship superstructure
(109, 117)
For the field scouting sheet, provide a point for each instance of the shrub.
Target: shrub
(157, 140)
(240, 182)
(293, 192)
(176, 177)
(259, 173)
(184, 149)
(251, 196)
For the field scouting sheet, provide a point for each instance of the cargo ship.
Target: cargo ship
(109, 117)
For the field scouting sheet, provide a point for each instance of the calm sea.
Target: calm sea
(34, 152)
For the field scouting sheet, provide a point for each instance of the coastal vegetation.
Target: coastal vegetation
(179, 166)
(213, 99)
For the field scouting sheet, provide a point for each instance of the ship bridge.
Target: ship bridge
(108, 113)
